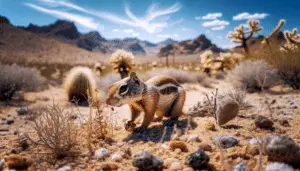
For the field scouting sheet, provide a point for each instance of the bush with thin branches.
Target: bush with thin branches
(14, 78)
(56, 130)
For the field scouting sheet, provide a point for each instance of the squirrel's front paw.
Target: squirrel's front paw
(129, 126)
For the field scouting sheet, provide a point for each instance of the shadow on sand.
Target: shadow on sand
(161, 132)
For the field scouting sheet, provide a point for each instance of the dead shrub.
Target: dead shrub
(238, 95)
(14, 78)
(55, 130)
(251, 74)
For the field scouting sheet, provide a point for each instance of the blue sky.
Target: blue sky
(155, 20)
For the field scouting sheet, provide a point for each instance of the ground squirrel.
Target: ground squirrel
(160, 95)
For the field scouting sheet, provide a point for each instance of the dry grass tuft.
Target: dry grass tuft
(56, 130)
(122, 62)
(250, 75)
(14, 78)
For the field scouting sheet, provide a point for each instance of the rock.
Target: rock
(225, 141)
(252, 149)
(254, 141)
(241, 167)
(188, 169)
(169, 161)
(177, 151)
(2, 162)
(197, 160)
(102, 153)
(176, 166)
(64, 168)
(263, 122)
(210, 126)
(278, 167)
(282, 149)
(10, 121)
(284, 122)
(227, 110)
(81, 166)
(116, 157)
(178, 145)
(22, 111)
(193, 138)
(205, 147)
(146, 161)
(18, 162)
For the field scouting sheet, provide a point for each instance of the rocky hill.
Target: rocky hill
(66, 31)
(193, 46)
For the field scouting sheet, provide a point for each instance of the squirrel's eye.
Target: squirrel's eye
(123, 88)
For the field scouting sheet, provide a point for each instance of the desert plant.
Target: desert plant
(98, 68)
(230, 60)
(55, 130)
(240, 35)
(251, 74)
(238, 95)
(78, 83)
(14, 78)
(122, 62)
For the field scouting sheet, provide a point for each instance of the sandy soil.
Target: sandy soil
(242, 128)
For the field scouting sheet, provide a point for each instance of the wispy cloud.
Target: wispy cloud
(186, 29)
(128, 31)
(215, 23)
(168, 35)
(84, 21)
(247, 16)
(146, 22)
(218, 28)
(210, 16)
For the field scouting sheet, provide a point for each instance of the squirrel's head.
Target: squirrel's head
(125, 91)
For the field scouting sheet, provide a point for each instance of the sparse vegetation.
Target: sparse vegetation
(56, 130)
(14, 78)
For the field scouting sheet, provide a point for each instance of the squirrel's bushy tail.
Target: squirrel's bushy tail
(80, 84)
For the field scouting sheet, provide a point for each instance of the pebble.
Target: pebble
(10, 121)
(165, 146)
(22, 111)
(193, 138)
(81, 166)
(263, 122)
(241, 167)
(225, 141)
(284, 122)
(282, 149)
(147, 161)
(227, 110)
(169, 161)
(278, 167)
(176, 166)
(197, 160)
(116, 157)
(254, 141)
(205, 147)
(65, 168)
(188, 169)
(102, 153)
(2, 162)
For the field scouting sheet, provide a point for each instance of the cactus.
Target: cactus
(292, 41)
(80, 84)
(240, 35)
(98, 68)
(122, 62)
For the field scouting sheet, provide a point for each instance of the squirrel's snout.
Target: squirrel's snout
(113, 101)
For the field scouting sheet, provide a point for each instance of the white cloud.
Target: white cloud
(168, 35)
(227, 45)
(218, 28)
(128, 31)
(136, 34)
(210, 16)
(116, 30)
(146, 22)
(247, 16)
(215, 23)
(84, 21)
(186, 29)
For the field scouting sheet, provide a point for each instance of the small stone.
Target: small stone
(102, 153)
(169, 161)
(178, 145)
(146, 161)
(22, 111)
(81, 166)
(209, 125)
(241, 167)
(193, 138)
(176, 166)
(2, 162)
(284, 122)
(188, 169)
(263, 122)
(130, 142)
(116, 157)
(205, 147)
(227, 110)
(177, 151)
(252, 149)
(197, 160)
(282, 149)
(65, 168)
(254, 141)
(225, 141)
(165, 146)
(10, 121)
(278, 167)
